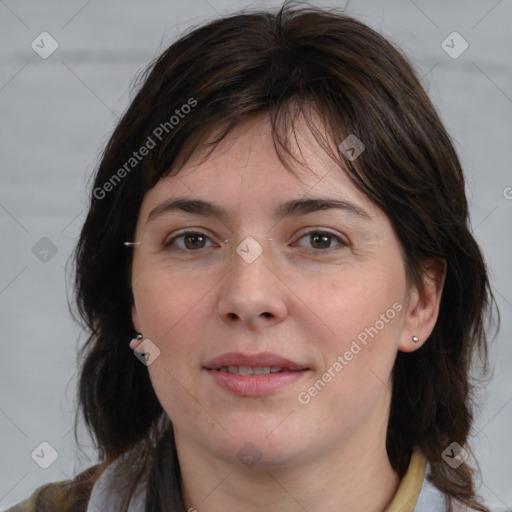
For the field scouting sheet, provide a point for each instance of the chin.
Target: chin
(262, 448)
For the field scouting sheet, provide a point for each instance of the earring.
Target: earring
(415, 339)
(135, 341)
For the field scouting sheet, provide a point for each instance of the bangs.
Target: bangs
(285, 119)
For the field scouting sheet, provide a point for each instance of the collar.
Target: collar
(415, 493)
(107, 495)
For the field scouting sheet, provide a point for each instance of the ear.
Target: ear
(423, 306)
(135, 318)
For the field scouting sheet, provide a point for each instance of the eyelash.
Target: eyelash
(342, 243)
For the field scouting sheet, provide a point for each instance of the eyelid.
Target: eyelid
(186, 231)
(169, 239)
(343, 241)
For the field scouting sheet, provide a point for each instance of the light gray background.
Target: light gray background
(58, 112)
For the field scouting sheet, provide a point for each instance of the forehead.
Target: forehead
(245, 172)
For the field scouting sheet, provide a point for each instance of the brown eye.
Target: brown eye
(188, 241)
(195, 241)
(322, 240)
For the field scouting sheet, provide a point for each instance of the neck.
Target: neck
(356, 477)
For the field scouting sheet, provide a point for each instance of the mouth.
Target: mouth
(245, 364)
(250, 370)
(254, 375)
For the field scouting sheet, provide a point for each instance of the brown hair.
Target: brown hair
(321, 62)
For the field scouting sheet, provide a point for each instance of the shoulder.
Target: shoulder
(65, 496)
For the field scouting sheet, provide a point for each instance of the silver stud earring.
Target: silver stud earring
(135, 341)
(415, 339)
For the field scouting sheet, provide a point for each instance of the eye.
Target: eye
(188, 241)
(322, 240)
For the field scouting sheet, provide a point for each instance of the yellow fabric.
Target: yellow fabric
(410, 486)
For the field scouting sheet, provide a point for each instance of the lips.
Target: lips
(254, 375)
(251, 370)
(255, 361)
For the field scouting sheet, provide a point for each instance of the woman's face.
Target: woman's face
(273, 326)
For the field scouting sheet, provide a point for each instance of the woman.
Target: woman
(279, 225)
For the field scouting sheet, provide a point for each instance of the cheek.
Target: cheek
(357, 363)
(172, 311)
(166, 301)
(168, 317)
(360, 302)
(176, 394)
(365, 316)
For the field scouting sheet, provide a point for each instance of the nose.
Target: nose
(253, 293)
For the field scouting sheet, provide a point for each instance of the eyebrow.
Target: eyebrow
(293, 208)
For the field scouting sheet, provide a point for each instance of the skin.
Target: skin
(293, 300)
